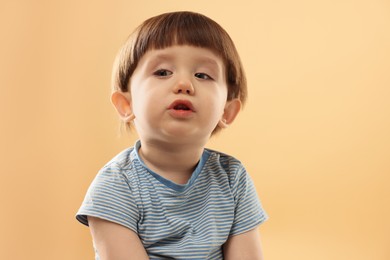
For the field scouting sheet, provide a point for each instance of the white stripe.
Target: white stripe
(190, 223)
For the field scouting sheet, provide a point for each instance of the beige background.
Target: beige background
(314, 135)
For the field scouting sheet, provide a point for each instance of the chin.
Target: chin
(182, 135)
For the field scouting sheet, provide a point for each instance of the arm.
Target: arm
(245, 246)
(116, 242)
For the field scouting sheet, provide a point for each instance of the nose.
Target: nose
(184, 87)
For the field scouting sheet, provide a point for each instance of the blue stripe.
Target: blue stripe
(190, 221)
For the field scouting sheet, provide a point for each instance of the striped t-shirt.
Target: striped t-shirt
(173, 221)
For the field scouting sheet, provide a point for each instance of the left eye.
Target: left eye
(162, 73)
(202, 76)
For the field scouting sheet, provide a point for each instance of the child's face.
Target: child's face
(178, 92)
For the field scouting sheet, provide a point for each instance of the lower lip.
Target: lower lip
(181, 113)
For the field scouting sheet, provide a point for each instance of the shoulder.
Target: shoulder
(113, 194)
(229, 164)
(224, 159)
(119, 169)
(122, 160)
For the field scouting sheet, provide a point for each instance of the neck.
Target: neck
(175, 162)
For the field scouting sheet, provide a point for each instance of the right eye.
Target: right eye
(162, 73)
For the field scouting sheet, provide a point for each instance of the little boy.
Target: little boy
(178, 79)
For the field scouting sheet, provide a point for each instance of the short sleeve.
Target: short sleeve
(111, 198)
(249, 212)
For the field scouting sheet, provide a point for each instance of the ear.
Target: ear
(232, 108)
(122, 104)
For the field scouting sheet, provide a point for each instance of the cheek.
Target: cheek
(221, 99)
(137, 101)
(147, 103)
(217, 103)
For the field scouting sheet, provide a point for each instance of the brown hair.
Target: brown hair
(181, 28)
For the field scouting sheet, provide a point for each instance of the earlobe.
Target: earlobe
(129, 117)
(122, 104)
(222, 123)
(232, 108)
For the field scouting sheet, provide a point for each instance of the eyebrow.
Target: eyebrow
(169, 57)
(208, 60)
(158, 59)
(163, 56)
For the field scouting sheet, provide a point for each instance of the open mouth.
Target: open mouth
(182, 105)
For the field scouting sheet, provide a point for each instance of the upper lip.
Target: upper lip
(186, 103)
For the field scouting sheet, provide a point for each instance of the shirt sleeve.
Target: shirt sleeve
(249, 212)
(111, 198)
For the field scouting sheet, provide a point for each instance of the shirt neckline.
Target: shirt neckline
(169, 183)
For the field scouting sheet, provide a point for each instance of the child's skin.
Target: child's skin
(178, 96)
